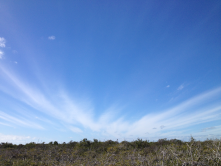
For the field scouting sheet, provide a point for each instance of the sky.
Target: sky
(118, 70)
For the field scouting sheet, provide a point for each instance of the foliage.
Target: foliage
(139, 152)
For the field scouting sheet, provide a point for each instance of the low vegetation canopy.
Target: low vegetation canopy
(139, 152)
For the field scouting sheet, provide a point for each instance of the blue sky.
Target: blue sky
(109, 70)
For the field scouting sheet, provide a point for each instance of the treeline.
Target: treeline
(95, 144)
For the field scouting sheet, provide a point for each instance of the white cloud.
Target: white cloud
(2, 42)
(51, 37)
(162, 126)
(208, 128)
(15, 139)
(178, 117)
(70, 112)
(5, 124)
(1, 54)
(75, 129)
(180, 87)
(15, 62)
(19, 121)
(168, 86)
(30, 96)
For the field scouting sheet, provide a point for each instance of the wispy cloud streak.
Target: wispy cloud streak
(208, 128)
(79, 117)
(2, 42)
(178, 116)
(19, 121)
(180, 87)
(1, 54)
(51, 37)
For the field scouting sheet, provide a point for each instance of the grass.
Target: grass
(139, 152)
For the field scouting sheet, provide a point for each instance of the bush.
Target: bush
(55, 143)
(140, 144)
(7, 145)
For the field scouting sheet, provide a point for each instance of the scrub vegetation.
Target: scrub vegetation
(139, 152)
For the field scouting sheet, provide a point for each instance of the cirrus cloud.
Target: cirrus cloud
(79, 116)
(51, 37)
(1, 54)
(180, 87)
(2, 42)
